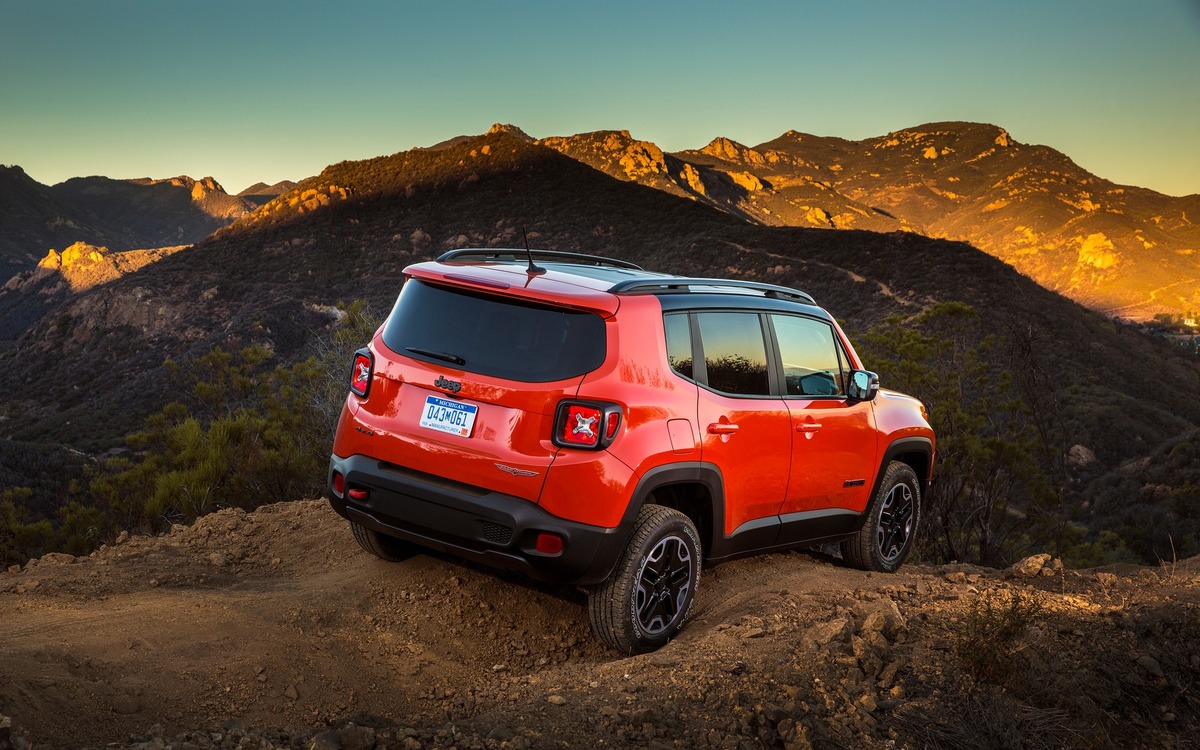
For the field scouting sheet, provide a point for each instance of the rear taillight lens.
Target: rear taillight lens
(584, 424)
(360, 376)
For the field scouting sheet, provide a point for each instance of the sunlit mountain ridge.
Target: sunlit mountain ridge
(1119, 249)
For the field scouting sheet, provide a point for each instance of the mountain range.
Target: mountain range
(1122, 250)
(348, 232)
(1125, 251)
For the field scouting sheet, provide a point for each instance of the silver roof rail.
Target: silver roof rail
(520, 255)
(684, 285)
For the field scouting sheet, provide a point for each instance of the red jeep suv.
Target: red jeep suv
(585, 421)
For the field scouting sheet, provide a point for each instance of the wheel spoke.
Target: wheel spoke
(895, 522)
(663, 584)
(650, 612)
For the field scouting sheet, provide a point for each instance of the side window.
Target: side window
(679, 344)
(735, 353)
(812, 360)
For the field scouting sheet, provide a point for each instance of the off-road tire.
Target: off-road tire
(381, 545)
(893, 519)
(646, 600)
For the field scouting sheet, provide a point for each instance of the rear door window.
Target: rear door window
(679, 344)
(735, 353)
(491, 335)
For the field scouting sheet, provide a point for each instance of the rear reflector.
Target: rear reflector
(611, 423)
(339, 484)
(549, 544)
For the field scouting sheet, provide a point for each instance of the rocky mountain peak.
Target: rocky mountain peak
(512, 130)
(201, 189)
(615, 152)
(730, 150)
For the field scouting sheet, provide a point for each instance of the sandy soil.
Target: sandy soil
(272, 629)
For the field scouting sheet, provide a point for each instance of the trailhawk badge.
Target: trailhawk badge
(516, 472)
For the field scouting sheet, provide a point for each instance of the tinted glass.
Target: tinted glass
(494, 336)
(735, 354)
(812, 365)
(679, 344)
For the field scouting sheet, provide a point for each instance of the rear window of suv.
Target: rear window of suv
(494, 336)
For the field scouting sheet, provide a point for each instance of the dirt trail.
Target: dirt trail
(215, 634)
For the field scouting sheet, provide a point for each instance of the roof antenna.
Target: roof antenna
(533, 269)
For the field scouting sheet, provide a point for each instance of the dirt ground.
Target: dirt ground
(272, 629)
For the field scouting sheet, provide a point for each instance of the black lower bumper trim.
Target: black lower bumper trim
(492, 528)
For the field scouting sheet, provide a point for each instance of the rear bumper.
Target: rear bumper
(491, 528)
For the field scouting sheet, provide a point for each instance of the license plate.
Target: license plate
(444, 415)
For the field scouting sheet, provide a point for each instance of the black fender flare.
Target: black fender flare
(684, 473)
(901, 447)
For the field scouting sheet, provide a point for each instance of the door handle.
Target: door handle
(808, 427)
(722, 428)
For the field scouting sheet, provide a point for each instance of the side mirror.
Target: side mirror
(864, 385)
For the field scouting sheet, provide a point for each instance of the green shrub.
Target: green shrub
(993, 632)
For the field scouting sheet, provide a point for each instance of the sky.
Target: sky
(261, 90)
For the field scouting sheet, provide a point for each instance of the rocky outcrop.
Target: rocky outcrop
(512, 130)
(81, 267)
(746, 180)
(691, 177)
(614, 152)
(728, 150)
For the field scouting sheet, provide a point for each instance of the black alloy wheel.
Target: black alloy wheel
(646, 599)
(894, 526)
(893, 519)
(664, 585)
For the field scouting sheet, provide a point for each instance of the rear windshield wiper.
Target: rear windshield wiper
(444, 356)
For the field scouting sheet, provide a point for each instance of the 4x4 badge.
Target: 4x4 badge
(516, 472)
(451, 385)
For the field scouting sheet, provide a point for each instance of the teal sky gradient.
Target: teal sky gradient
(264, 90)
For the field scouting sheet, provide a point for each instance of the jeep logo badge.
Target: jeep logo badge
(451, 385)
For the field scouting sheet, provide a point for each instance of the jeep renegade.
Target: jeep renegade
(585, 421)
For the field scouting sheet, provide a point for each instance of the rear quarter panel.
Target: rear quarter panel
(637, 376)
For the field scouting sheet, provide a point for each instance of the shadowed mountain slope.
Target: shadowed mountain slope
(119, 215)
(33, 219)
(176, 211)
